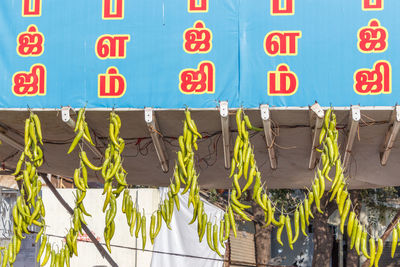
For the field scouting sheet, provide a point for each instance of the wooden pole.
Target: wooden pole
(99, 247)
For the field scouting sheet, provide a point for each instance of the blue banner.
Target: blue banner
(172, 54)
(335, 52)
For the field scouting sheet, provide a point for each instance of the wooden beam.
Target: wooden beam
(224, 113)
(391, 135)
(266, 119)
(99, 247)
(156, 136)
(317, 115)
(354, 121)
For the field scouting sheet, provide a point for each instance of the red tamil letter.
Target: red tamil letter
(282, 82)
(197, 39)
(201, 81)
(373, 38)
(112, 46)
(372, 5)
(377, 80)
(31, 8)
(30, 83)
(30, 43)
(282, 7)
(196, 6)
(113, 9)
(282, 43)
(111, 84)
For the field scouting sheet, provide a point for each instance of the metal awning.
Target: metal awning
(290, 130)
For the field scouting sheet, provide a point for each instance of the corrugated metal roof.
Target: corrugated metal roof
(242, 248)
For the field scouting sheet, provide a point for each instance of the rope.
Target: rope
(236, 263)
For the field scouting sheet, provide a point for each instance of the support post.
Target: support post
(11, 142)
(340, 237)
(152, 126)
(266, 119)
(317, 113)
(99, 247)
(354, 121)
(224, 113)
(391, 135)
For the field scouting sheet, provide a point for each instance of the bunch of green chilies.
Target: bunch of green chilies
(185, 173)
(29, 208)
(62, 257)
(355, 230)
(111, 170)
(243, 159)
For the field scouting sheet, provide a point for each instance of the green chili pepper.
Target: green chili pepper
(296, 226)
(343, 197)
(306, 211)
(236, 201)
(371, 251)
(378, 252)
(289, 231)
(251, 178)
(302, 220)
(143, 231)
(240, 212)
(221, 232)
(364, 244)
(327, 118)
(358, 239)
(270, 213)
(232, 220)
(247, 157)
(257, 185)
(88, 163)
(258, 198)
(354, 233)
(316, 199)
(280, 229)
(227, 226)
(75, 142)
(215, 239)
(203, 226)
(209, 242)
(344, 215)
(395, 238)
(238, 121)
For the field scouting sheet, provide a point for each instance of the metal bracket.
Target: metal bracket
(224, 112)
(316, 108)
(148, 115)
(317, 112)
(397, 110)
(65, 114)
(266, 119)
(264, 112)
(354, 121)
(390, 136)
(355, 113)
(223, 108)
(66, 117)
(158, 142)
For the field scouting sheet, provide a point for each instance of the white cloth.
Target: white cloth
(183, 238)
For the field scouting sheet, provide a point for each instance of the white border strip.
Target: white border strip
(378, 108)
